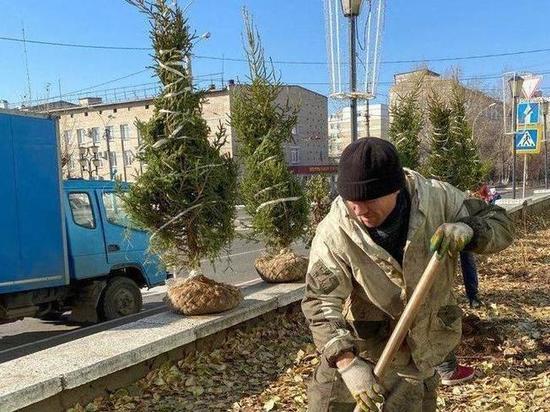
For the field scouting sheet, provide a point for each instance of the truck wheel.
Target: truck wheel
(121, 297)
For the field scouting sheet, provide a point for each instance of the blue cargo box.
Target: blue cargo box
(32, 233)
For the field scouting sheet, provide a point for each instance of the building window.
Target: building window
(94, 131)
(113, 159)
(67, 137)
(128, 157)
(110, 131)
(294, 156)
(124, 132)
(80, 136)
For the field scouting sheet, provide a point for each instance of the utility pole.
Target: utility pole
(122, 137)
(108, 140)
(353, 74)
(544, 105)
(367, 117)
(515, 83)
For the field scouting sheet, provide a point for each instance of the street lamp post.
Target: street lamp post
(544, 113)
(107, 134)
(351, 9)
(88, 158)
(477, 116)
(515, 83)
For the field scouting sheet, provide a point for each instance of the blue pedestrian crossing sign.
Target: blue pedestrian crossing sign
(528, 113)
(528, 141)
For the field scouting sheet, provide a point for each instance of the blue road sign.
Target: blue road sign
(528, 113)
(528, 141)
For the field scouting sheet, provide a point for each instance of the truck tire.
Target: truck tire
(121, 297)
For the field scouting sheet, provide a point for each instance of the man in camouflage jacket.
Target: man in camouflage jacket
(366, 258)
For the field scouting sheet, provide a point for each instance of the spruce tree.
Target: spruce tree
(454, 156)
(439, 164)
(263, 123)
(468, 169)
(186, 195)
(405, 127)
(318, 196)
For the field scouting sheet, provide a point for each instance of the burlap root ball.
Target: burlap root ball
(199, 295)
(287, 266)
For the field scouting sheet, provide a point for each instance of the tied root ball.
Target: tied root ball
(287, 266)
(199, 295)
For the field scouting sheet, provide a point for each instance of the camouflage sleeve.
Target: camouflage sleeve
(493, 227)
(327, 287)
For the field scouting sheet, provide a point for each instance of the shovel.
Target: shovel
(407, 318)
(409, 313)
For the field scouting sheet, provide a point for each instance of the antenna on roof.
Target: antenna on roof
(223, 65)
(26, 63)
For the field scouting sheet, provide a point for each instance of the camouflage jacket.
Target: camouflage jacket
(356, 291)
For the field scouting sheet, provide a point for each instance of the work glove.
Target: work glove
(451, 238)
(359, 378)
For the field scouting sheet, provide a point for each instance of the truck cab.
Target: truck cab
(105, 248)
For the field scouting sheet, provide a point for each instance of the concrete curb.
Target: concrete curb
(45, 374)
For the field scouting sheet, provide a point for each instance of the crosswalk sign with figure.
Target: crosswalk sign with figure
(528, 141)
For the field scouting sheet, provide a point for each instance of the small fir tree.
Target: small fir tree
(454, 156)
(439, 164)
(318, 196)
(271, 193)
(405, 127)
(468, 169)
(186, 195)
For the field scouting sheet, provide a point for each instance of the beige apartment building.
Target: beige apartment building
(110, 129)
(339, 126)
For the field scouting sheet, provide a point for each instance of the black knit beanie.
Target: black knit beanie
(369, 168)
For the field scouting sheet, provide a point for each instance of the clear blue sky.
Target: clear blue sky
(291, 30)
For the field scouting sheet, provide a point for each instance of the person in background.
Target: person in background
(450, 371)
(468, 261)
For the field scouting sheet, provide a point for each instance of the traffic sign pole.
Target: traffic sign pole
(524, 175)
(544, 110)
(514, 127)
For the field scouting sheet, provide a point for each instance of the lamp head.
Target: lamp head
(515, 83)
(351, 7)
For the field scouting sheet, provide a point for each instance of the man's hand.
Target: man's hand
(359, 378)
(451, 238)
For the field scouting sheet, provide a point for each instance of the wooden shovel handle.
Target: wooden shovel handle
(406, 319)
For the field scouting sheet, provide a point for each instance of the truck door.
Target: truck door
(86, 244)
(126, 244)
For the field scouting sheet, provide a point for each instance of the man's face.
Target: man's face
(372, 213)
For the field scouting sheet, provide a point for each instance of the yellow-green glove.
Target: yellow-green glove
(361, 382)
(451, 238)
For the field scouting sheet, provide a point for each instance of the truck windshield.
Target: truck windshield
(114, 210)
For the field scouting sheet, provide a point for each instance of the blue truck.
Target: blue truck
(64, 245)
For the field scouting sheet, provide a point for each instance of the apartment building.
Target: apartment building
(339, 126)
(110, 129)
